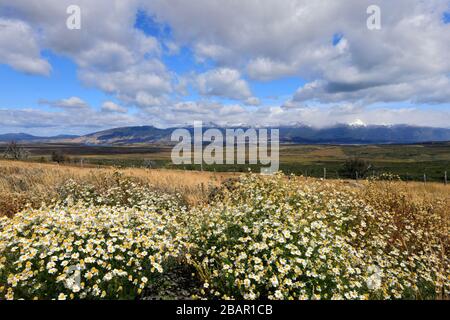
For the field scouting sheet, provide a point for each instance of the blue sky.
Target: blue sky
(167, 63)
(24, 90)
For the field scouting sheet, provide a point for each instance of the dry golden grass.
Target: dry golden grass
(434, 189)
(23, 184)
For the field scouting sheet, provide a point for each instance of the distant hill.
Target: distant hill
(127, 135)
(300, 134)
(23, 137)
(351, 134)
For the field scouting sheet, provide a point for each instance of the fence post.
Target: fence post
(424, 178)
(324, 173)
(445, 178)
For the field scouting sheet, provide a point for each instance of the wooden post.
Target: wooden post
(324, 173)
(445, 178)
(356, 175)
(424, 178)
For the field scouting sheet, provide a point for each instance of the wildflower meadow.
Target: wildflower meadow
(256, 237)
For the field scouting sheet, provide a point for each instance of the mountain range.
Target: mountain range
(298, 134)
(24, 137)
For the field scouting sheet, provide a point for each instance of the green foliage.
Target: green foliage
(355, 169)
(59, 157)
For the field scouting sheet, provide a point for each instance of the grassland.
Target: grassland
(23, 183)
(410, 162)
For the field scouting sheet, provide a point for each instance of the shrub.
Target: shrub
(355, 168)
(15, 152)
(59, 157)
(114, 252)
(279, 239)
(118, 191)
(258, 238)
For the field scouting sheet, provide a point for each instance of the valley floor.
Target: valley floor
(410, 162)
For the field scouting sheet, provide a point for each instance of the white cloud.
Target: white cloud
(72, 103)
(232, 110)
(111, 53)
(19, 48)
(225, 83)
(110, 106)
(252, 101)
(195, 108)
(143, 84)
(211, 51)
(314, 115)
(66, 121)
(270, 40)
(429, 90)
(41, 122)
(266, 69)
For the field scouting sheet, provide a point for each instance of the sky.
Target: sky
(169, 63)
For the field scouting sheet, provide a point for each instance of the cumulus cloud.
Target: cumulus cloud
(270, 41)
(111, 53)
(51, 123)
(42, 122)
(429, 90)
(72, 103)
(195, 108)
(315, 115)
(144, 84)
(23, 55)
(110, 106)
(267, 69)
(225, 83)
(252, 101)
